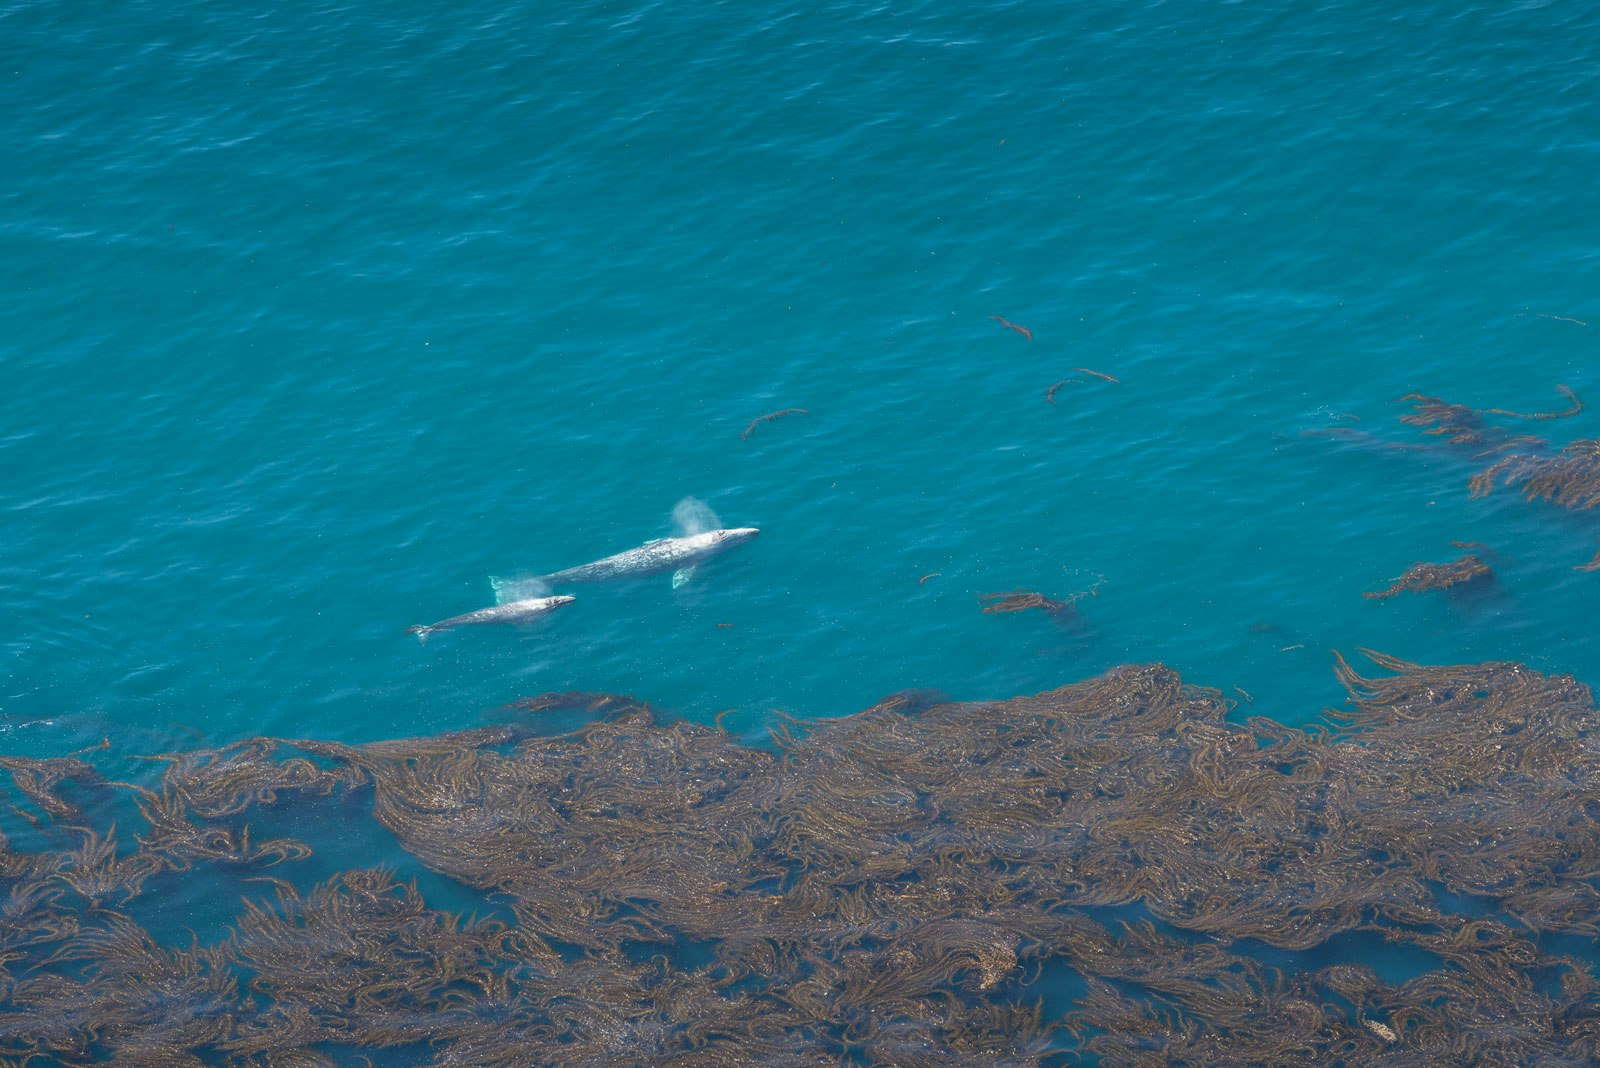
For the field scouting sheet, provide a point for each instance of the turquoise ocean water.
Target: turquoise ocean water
(313, 317)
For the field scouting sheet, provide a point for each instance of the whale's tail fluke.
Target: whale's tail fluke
(421, 633)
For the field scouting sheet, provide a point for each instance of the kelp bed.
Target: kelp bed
(1115, 872)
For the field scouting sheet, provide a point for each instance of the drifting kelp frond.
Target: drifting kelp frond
(758, 420)
(225, 782)
(1023, 600)
(96, 871)
(1570, 478)
(41, 781)
(1574, 408)
(1462, 425)
(1421, 577)
(1457, 423)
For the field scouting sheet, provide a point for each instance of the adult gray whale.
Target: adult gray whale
(510, 612)
(678, 555)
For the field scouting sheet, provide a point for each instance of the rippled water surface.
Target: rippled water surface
(316, 317)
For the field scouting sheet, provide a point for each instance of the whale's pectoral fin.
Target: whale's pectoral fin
(682, 576)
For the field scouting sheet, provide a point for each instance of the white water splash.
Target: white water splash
(692, 516)
(518, 588)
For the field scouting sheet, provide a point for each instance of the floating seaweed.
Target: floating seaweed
(1557, 318)
(1462, 425)
(1574, 407)
(758, 420)
(1021, 601)
(897, 886)
(41, 781)
(1457, 423)
(1055, 387)
(1570, 478)
(1465, 426)
(1421, 577)
(1009, 325)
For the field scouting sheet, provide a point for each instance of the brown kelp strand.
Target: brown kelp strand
(1570, 478)
(1457, 423)
(40, 781)
(1027, 335)
(1419, 578)
(1055, 387)
(224, 782)
(1023, 600)
(1463, 425)
(744, 435)
(1090, 872)
(1574, 406)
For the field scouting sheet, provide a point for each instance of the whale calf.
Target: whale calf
(678, 555)
(511, 612)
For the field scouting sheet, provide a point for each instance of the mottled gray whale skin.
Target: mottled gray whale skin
(510, 612)
(663, 554)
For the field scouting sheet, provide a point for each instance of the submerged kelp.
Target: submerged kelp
(911, 885)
